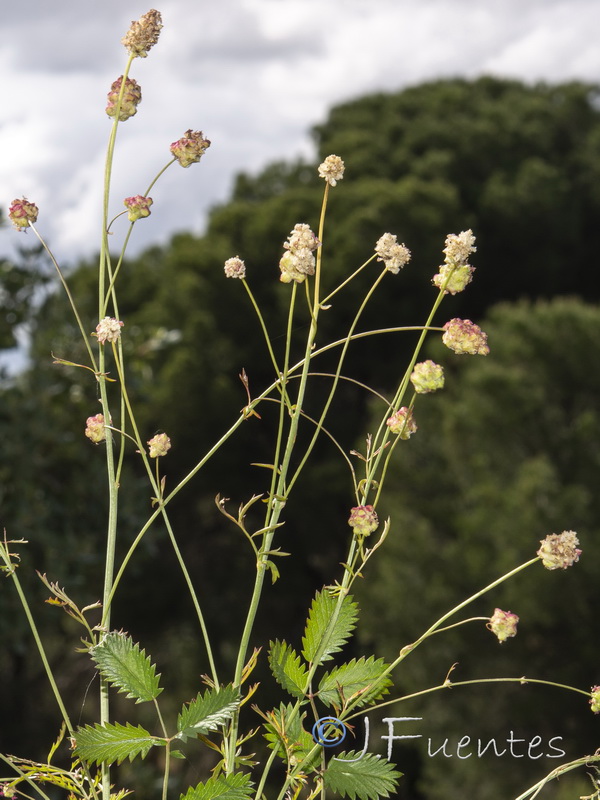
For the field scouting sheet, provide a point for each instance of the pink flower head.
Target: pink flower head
(402, 422)
(132, 97)
(137, 207)
(503, 624)
(363, 520)
(559, 551)
(159, 445)
(427, 376)
(94, 428)
(463, 336)
(108, 330)
(21, 213)
(190, 148)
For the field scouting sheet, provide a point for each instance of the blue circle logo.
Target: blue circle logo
(329, 731)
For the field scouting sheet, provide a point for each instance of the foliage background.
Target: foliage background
(507, 454)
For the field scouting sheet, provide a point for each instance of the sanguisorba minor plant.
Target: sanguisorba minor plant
(322, 695)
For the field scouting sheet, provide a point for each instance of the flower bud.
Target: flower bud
(298, 261)
(21, 213)
(190, 148)
(235, 268)
(132, 96)
(143, 34)
(394, 255)
(503, 624)
(108, 330)
(94, 428)
(595, 699)
(463, 336)
(137, 207)
(402, 422)
(159, 445)
(427, 377)
(559, 551)
(332, 170)
(363, 520)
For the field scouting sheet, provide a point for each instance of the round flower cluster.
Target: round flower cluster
(137, 207)
(108, 330)
(22, 213)
(332, 170)
(159, 445)
(455, 273)
(143, 34)
(190, 148)
(132, 97)
(94, 428)
(235, 268)
(394, 255)
(503, 624)
(559, 550)
(363, 520)
(298, 261)
(402, 422)
(595, 699)
(427, 377)
(463, 336)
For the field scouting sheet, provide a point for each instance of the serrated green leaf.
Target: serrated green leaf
(122, 663)
(357, 676)
(286, 734)
(368, 777)
(207, 712)
(287, 669)
(226, 787)
(315, 633)
(104, 744)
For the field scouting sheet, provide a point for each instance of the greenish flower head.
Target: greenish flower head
(159, 445)
(595, 699)
(132, 97)
(94, 428)
(559, 550)
(363, 520)
(463, 336)
(402, 422)
(427, 376)
(298, 261)
(22, 213)
(137, 207)
(503, 624)
(190, 148)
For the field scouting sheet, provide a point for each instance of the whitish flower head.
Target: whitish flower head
(137, 207)
(108, 330)
(459, 247)
(363, 520)
(298, 261)
(456, 273)
(159, 445)
(394, 255)
(427, 377)
(143, 34)
(94, 428)
(503, 624)
(190, 148)
(235, 268)
(332, 170)
(559, 551)
(402, 422)
(595, 699)
(21, 213)
(132, 97)
(463, 336)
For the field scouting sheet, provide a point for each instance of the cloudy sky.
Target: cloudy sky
(253, 75)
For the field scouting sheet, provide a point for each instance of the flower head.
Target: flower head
(235, 268)
(394, 255)
(595, 699)
(332, 170)
(559, 551)
(143, 34)
(402, 422)
(108, 330)
(132, 97)
(94, 428)
(363, 520)
(463, 336)
(455, 274)
(298, 261)
(503, 624)
(159, 445)
(427, 376)
(190, 148)
(137, 207)
(21, 213)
